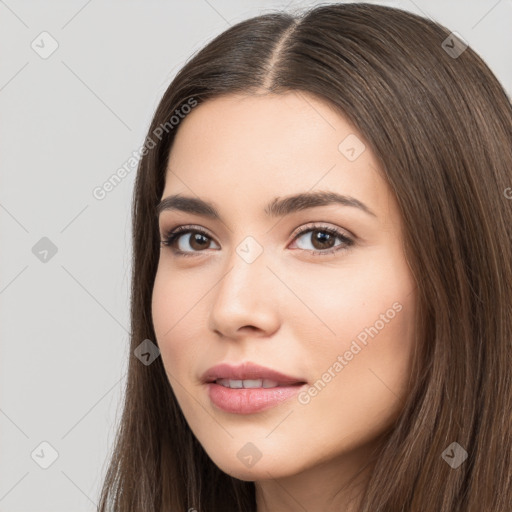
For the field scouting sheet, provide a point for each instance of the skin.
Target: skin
(288, 310)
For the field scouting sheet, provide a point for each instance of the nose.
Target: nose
(246, 299)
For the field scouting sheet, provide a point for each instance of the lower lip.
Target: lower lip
(250, 400)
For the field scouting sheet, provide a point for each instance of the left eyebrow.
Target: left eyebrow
(278, 207)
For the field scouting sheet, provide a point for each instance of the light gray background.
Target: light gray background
(68, 122)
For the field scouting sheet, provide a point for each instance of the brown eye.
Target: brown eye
(198, 240)
(323, 240)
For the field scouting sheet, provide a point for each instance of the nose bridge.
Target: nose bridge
(244, 294)
(246, 266)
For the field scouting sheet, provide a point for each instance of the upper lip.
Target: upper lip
(246, 371)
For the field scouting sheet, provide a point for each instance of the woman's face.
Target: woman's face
(332, 307)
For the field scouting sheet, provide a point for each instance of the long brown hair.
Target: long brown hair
(440, 124)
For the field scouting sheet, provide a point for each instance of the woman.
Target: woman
(323, 257)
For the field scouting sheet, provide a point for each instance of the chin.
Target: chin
(249, 475)
(261, 470)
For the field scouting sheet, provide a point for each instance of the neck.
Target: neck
(331, 486)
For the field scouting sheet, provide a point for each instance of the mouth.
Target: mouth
(248, 375)
(253, 383)
(249, 388)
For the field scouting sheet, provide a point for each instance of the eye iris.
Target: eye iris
(195, 238)
(322, 237)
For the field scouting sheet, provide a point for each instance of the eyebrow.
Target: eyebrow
(279, 207)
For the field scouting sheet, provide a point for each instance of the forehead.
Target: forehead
(243, 149)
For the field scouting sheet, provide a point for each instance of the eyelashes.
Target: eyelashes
(172, 237)
(200, 236)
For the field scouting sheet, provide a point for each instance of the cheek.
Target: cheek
(179, 314)
(336, 304)
(359, 338)
(359, 380)
(169, 314)
(162, 308)
(174, 301)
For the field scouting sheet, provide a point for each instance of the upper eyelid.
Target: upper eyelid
(322, 225)
(298, 230)
(183, 229)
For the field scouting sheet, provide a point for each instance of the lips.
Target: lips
(248, 373)
(249, 388)
(251, 400)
